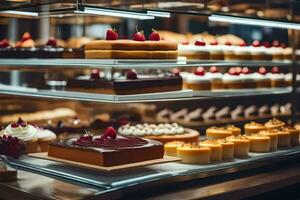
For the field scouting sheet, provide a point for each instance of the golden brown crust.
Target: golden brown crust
(192, 136)
(130, 45)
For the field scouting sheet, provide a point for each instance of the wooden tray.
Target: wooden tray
(165, 159)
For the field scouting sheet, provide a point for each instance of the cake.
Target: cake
(259, 143)
(218, 132)
(216, 78)
(138, 48)
(194, 154)
(253, 127)
(196, 51)
(274, 123)
(241, 145)
(171, 147)
(215, 147)
(227, 148)
(198, 80)
(294, 134)
(160, 132)
(45, 137)
(24, 132)
(284, 137)
(277, 78)
(108, 150)
(261, 78)
(273, 135)
(131, 83)
(232, 79)
(234, 129)
(11, 146)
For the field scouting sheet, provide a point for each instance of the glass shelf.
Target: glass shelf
(150, 97)
(128, 64)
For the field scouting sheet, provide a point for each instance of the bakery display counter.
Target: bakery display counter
(150, 97)
(147, 176)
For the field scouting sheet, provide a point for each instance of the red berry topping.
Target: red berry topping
(200, 42)
(131, 75)
(238, 70)
(51, 42)
(262, 70)
(243, 44)
(110, 132)
(200, 71)
(86, 137)
(20, 121)
(15, 125)
(139, 36)
(214, 69)
(276, 43)
(11, 146)
(246, 70)
(256, 43)
(214, 42)
(185, 42)
(123, 121)
(95, 74)
(176, 72)
(232, 71)
(283, 45)
(228, 43)
(266, 44)
(23, 124)
(154, 36)
(4, 43)
(26, 36)
(275, 70)
(111, 34)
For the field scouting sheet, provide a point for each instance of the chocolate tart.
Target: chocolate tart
(123, 86)
(107, 151)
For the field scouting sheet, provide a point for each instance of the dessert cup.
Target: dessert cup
(273, 135)
(227, 149)
(253, 127)
(217, 132)
(284, 138)
(274, 124)
(215, 147)
(259, 143)
(294, 134)
(241, 145)
(194, 154)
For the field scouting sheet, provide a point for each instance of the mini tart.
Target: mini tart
(284, 138)
(194, 154)
(171, 147)
(273, 135)
(217, 132)
(253, 127)
(234, 130)
(241, 145)
(294, 134)
(259, 143)
(274, 123)
(216, 149)
(227, 148)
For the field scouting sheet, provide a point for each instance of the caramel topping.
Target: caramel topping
(175, 143)
(238, 137)
(254, 124)
(192, 146)
(275, 121)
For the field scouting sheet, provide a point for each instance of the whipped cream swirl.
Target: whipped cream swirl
(151, 129)
(25, 133)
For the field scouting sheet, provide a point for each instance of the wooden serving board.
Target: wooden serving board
(124, 167)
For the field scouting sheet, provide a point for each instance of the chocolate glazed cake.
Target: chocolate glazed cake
(128, 85)
(107, 150)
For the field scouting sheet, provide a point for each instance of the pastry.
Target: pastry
(264, 110)
(45, 137)
(171, 147)
(160, 132)
(215, 147)
(218, 132)
(108, 150)
(198, 81)
(223, 113)
(241, 145)
(194, 154)
(274, 123)
(294, 134)
(238, 112)
(24, 132)
(179, 115)
(242, 52)
(138, 48)
(251, 111)
(11, 146)
(234, 129)
(253, 127)
(284, 138)
(273, 135)
(258, 52)
(132, 83)
(233, 80)
(164, 115)
(194, 116)
(209, 114)
(277, 78)
(216, 78)
(259, 143)
(197, 51)
(261, 78)
(248, 78)
(227, 148)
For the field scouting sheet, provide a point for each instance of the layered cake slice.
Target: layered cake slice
(132, 83)
(108, 150)
(138, 48)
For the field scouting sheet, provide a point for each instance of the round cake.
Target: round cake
(273, 135)
(171, 147)
(194, 154)
(215, 147)
(241, 145)
(161, 132)
(274, 123)
(294, 134)
(259, 143)
(253, 127)
(227, 148)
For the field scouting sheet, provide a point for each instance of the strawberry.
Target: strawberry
(243, 44)
(238, 70)
(266, 44)
(110, 132)
(246, 70)
(131, 75)
(176, 72)
(232, 71)
(275, 70)
(4, 43)
(256, 43)
(276, 43)
(15, 125)
(154, 36)
(51, 42)
(200, 71)
(26, 36)
(262, 71)
(111, 34)
(213, 69)
(86, 137)
(185, 42)
(214, 43)
(139, 36)
(283, 45)
(95, 74)
(200, 42)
